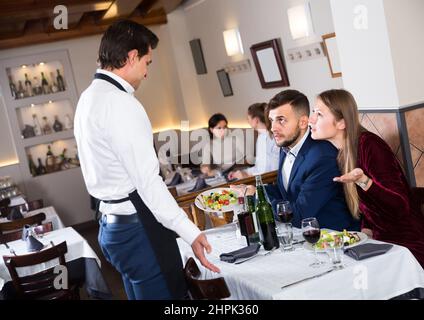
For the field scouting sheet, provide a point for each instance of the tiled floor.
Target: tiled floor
(112, 277)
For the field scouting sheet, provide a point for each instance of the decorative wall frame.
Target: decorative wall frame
(332, 53)
(269, 64)
(224, 81)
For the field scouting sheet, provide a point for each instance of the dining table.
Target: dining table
(51, 216)
(278, 275)
(83, 264)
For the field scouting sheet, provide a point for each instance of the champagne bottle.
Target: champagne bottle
(50, 160)
(28, 86)
(54, 87)
(265, 217)
(44, 84)
(32, 167)
(57, 125)
(13, 90)
(21, 91)
(60, 82)
(36, 88)
(41, 169)
(63, 160)
(36, 125)
(47, 129)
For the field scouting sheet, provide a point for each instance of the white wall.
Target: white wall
(405, 25)
(257, 21)
(365, 54)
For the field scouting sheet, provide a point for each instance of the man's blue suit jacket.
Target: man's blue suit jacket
(311, 190)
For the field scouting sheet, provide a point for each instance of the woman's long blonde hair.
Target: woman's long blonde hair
(343, 106)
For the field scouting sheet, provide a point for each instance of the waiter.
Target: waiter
(120, 167)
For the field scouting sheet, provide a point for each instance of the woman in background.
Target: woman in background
(267, 152)
(222, 151)
(375, 186)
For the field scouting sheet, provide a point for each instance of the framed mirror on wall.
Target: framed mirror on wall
(332, 53)
(224, 81)
(269, 64)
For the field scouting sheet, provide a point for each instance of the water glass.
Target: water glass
(335, 251)
(285, 236)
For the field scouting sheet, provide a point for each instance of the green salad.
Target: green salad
(349, 238)
(216, 200)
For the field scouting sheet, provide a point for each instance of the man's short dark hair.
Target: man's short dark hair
(122, 37)
(298, 101)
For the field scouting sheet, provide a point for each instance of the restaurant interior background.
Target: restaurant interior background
(378, 45)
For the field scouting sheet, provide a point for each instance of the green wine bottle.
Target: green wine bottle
(265, 217)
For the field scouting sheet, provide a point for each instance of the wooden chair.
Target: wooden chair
(40, 286)
(16, 235)
(195, 214)
(220, 221)
(4, 207)
(212, 289)
(19, 223)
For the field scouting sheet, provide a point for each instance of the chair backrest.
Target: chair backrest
(16, 235)
(220, 221)
(41, 284)
(4, 203)
(204, 289)
(19, 223)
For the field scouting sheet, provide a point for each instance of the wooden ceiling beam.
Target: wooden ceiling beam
(86, 27)
(120, 9)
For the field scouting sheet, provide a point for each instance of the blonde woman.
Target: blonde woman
(375, 186)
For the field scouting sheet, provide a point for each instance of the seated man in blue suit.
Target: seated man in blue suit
(307, 167)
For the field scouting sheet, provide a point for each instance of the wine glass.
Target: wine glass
(312, 232)
(285, 211)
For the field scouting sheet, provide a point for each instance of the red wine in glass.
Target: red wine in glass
(285, 212)
(312, 235)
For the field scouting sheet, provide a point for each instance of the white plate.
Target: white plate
(363, 237)
(201, 205)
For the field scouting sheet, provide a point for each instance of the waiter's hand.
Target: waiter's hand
(199, 245)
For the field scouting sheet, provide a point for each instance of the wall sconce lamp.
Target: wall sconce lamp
(232, 42)
(300, 21)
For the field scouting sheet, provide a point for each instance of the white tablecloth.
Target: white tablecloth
(77, 248)
(380, 277)
(51, 215)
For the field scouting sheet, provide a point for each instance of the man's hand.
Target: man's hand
(199, 245)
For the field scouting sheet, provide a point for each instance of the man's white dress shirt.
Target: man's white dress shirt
(115, 147)
(290, 158)
(267, 154)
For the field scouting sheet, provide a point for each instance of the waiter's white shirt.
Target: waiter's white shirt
(267, 154)
(115, 147)
(290, 159)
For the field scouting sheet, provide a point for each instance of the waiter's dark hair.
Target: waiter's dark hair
(122, 37)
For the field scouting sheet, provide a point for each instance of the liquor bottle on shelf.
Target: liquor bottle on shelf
(36, 88)
(36, 125)
(13, 90)
(21, 91)
(68, 122)
(41, 169)
(28, 86)
(32, 167)
(47, 129)
(53, 84)
(266, 217)
(57, 125)
(60, 82)
(64, 161)
(50, 160)
(44, 84)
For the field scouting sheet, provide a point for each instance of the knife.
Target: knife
(308, 278)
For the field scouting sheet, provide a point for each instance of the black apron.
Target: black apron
(162, 240)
